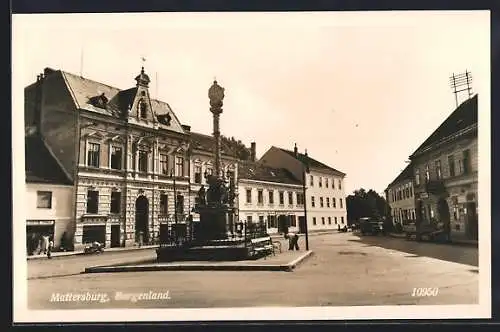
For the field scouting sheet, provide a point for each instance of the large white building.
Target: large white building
(269, 196)
(325, 195)
(49, 196)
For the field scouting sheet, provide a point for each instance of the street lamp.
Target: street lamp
(172, 175)
(305, 169)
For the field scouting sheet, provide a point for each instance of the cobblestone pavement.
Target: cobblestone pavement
(345, 270)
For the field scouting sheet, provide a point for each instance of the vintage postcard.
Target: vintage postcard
(251, 166)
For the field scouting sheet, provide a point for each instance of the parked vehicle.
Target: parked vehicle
(371, 225)
(94, 248)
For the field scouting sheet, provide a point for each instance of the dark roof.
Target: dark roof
(312, 162)
(463, 117)
(207, 143)
(84, 90)
(258, 172)
(406, 174)
(40, 165)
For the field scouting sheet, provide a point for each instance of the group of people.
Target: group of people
(41, 244)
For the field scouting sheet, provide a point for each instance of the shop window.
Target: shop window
(93, 233)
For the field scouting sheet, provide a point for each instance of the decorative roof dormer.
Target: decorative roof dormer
(142, 79)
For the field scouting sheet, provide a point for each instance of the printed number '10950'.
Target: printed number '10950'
(422, 291)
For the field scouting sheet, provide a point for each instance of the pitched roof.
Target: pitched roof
(406, 174)
(40, 165)
(83, 90)
(258, 172)
(464, 116)
(312, 162)
(207, 143)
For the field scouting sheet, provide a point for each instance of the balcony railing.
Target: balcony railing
(435, 187)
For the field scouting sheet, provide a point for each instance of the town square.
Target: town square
(276, 165)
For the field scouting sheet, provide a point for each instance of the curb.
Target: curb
(453, 242)
(77, 253)
(201, 267)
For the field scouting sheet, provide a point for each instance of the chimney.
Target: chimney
(47, 71)
(252, 152)
(295, 151)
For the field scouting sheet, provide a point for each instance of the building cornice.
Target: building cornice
(268, 183)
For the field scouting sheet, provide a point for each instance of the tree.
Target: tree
(364, 203)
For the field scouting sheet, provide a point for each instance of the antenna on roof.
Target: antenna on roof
(461, 82)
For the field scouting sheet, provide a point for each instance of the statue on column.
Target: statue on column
(202, 199)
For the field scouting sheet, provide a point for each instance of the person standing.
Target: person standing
(49, 248)
(45, 244)
(293, 241)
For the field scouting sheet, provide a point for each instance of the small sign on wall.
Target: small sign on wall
(40, 222)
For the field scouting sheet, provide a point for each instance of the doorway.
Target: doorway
(283, 224)
(141, 218)
(115, 236)
(302, 224)
(472, 224)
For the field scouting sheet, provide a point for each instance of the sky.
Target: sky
(360, 90)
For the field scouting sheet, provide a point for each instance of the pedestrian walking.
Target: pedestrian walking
(50, 248)
(293, 240)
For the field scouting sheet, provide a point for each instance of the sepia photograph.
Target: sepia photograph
(251, 166)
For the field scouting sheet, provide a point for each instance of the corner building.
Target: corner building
(122, 150)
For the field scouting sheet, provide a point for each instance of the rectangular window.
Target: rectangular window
(329, 220)
(466, 159)
(260, 197)
(271, 196)
(417, 177)
(163, 204)
(427, 174)
(328, 202)
(249, 195)
(326, 182)
(451, 165)
(261, 220)
(333, 183)
(293, 220)
(438, 169)
(116, 157)
(179, 166)
(336, 222)
(340, 184)
(320, 182)
(163, 164)
(197, 174)
(321, 202)
(290, 198)
(44, 199)
(249, 219)
(92, 201)
(334, 202)
(342, 219)
(180, 204)
(210, 171)
(411, 190)
(282, 198)
(313, 203)
(271, 222)
(311, 180)
(93, 155)
(314, 220)
(322, 220)
(115, 201)
(143, 161)
(341, 203)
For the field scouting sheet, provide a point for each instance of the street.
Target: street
(345, 270)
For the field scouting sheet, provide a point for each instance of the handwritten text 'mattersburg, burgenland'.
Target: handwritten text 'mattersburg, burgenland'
(105, 297)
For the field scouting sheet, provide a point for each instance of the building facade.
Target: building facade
(49, 197)
(401, 198)
(135, 168)
(325, 195)
(446, 174)
(269, 196)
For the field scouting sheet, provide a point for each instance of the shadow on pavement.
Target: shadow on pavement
(451, 253)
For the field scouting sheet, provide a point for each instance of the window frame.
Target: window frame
(42, 192)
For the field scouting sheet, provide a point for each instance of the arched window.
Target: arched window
(143, 109)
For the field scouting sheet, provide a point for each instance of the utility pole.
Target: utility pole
(461, 82)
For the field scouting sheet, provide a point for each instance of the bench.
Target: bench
(261, 246)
